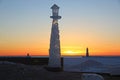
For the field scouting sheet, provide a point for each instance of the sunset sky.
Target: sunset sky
(25, 27)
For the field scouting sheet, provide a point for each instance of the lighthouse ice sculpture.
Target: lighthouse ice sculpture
(54, 51)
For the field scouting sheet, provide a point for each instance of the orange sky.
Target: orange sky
(25, 27)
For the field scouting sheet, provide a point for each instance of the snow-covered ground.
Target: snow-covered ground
(93, 64)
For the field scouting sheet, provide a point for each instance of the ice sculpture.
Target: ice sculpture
(54, 51)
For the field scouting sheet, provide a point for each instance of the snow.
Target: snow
(6, 62)
(109, 65)
(88, 76)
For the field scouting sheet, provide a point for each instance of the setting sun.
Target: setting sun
(70, 52)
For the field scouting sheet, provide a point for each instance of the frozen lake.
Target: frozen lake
(109, 65)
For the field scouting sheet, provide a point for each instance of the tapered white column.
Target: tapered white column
(54, 51)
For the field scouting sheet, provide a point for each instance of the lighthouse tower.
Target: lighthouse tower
(87, 52)
(54, 51)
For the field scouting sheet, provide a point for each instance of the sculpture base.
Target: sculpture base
(53, 69)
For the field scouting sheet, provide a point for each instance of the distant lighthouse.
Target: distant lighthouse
(54, 51)
(87, 52)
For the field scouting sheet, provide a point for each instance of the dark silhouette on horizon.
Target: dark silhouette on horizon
(87, 52)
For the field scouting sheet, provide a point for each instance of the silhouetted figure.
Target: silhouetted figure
(87, 52)
(28, 59)
(28, 55)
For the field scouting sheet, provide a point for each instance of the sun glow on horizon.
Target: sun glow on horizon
(25, 27)
(71, 52)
